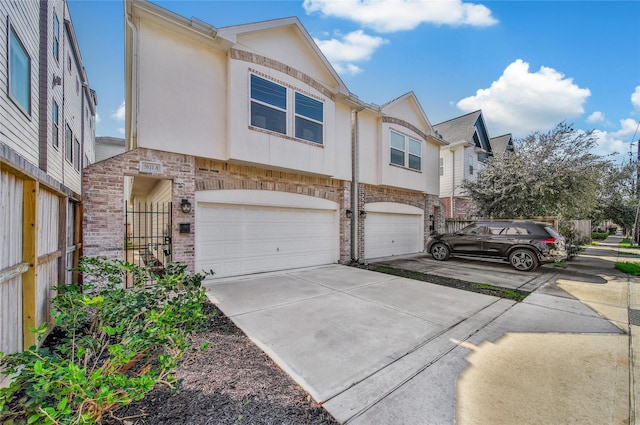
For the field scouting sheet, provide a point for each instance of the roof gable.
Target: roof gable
(408, 107)
(468, 128)
(288, 42)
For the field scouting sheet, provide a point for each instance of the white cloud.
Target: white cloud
(121, 130)
(402, 15)
(97, 118)
(119, 114)
(353, 47)
(635, 98)
(611, 146)
(520, 101)
(628, 128)
(596, 117)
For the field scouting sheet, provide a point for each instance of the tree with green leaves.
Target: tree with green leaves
(549, 174)
(618, 198)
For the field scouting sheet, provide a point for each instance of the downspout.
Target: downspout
(134, 84)
(355, 167)
(453, 181)
(354, 185)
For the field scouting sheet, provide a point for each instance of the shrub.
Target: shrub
(599, 236)
(114, 345)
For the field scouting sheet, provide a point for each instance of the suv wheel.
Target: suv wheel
(523, 260)
(440, 252)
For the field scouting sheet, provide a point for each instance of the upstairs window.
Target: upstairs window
(68, 136)
(441, 166)
(397, 148)
(56, 37)
(55, 119)
(309, 118)
(19, 73)
(415, 154)
(268, 105)
(405, 151)
(470, 160)
(76, 154)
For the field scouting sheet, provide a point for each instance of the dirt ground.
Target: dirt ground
(232, 382)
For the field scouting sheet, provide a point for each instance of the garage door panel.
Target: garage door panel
(241, 239)
(388, 234)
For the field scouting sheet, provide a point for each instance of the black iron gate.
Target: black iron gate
(148, 235)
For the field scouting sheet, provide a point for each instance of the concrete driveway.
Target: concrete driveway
(380, 349)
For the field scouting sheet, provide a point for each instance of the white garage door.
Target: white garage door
(236, 239)
(392, 233)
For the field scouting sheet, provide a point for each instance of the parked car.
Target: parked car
(524, 244)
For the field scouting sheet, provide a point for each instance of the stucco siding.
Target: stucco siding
(286, 45)
(182, 94)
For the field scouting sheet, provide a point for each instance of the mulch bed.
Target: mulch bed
(231, 382)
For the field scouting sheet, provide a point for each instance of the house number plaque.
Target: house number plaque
(150, 167)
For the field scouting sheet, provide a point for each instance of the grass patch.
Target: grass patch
(628, 253)
(561, 263)
(482, 288)
(595, 243)
(628, 268)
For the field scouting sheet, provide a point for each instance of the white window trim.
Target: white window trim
(405, 151)
(10, 30)
(289, 110)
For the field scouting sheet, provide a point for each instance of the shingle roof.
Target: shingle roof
(460, 128)
(108, 140)
(499, 144)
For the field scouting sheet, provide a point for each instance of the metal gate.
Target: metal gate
(148, 236)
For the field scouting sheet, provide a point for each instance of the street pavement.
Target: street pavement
(381, 349)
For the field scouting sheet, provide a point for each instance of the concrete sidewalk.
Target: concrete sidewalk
(380, 349)
(588, 377)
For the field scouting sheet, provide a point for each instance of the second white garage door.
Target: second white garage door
(398, 230)
(237, 239)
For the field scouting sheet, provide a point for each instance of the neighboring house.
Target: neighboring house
(106, 147)
(468, 147)
(246, 153)
(502, 145)
(46, 137)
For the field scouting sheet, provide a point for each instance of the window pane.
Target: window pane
(76, 155)
(69, 143)
(414, 162)
(19, 73)
(308, 107)
(268, 118)
(397, 157)
(268, 92)
(415, 147)
(308, 130)
(55, 125)
(56, 37)
(397, 141)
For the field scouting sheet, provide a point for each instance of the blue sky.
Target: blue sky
(527, 64)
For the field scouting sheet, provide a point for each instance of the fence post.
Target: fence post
(30, 256)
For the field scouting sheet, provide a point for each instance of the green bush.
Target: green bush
(599, 236)
(114, 345)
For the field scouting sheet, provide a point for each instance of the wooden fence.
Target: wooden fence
(35, 235)
(583, 227)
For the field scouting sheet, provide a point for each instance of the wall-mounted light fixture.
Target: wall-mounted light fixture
(349, 213)
(362, 214)
(56, 81)
(185, 206)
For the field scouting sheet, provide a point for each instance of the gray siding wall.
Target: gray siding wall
(18, 129)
